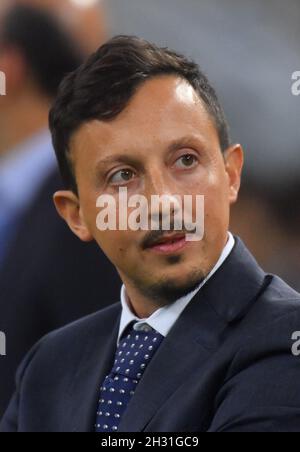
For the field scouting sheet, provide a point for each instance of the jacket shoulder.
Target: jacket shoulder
(99, 322)
(278, 300)
(62, 348)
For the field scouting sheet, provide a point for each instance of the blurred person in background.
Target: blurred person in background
(269, 222)
(41, 264)
(84, 20)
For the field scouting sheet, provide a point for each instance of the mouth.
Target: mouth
(169, 244)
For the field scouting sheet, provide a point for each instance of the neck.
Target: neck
(140, 305)
(20, 119)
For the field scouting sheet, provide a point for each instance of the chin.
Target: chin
(171, 288)
(180, 271)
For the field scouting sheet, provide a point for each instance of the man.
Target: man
(202, 339)
(41, 262)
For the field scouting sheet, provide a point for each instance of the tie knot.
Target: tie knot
(134, 353)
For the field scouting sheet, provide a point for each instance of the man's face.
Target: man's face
(163, 143)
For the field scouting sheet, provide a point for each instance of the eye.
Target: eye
(186, 161)
(122, 177)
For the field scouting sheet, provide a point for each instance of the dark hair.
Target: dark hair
(49, 52)
(103, 86)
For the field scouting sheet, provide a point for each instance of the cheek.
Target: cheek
(216, 205)
(207, 178)
(216, 186)
(115, 244)
(210, 185)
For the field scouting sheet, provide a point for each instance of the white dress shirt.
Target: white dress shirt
(164, 318)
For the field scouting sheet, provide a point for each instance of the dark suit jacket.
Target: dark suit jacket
(226, 365)
(49, 279)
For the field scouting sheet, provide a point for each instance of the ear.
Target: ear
(234, 161)
(68, 206)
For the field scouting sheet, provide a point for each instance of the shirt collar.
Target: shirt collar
(164, 318)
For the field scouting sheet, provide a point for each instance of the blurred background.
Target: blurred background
(249, 50)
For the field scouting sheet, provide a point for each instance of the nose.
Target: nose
(163, 201)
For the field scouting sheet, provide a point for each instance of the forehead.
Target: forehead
(162, 110)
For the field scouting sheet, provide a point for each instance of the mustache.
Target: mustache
(154, 236)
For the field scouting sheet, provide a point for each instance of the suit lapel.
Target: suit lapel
(96, 363)
(196, 335)
(237, 285)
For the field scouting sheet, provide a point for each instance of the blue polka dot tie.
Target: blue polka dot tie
(133, 355)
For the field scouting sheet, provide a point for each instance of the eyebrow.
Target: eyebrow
(185, 141)
(130, 160)
(115, 159)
